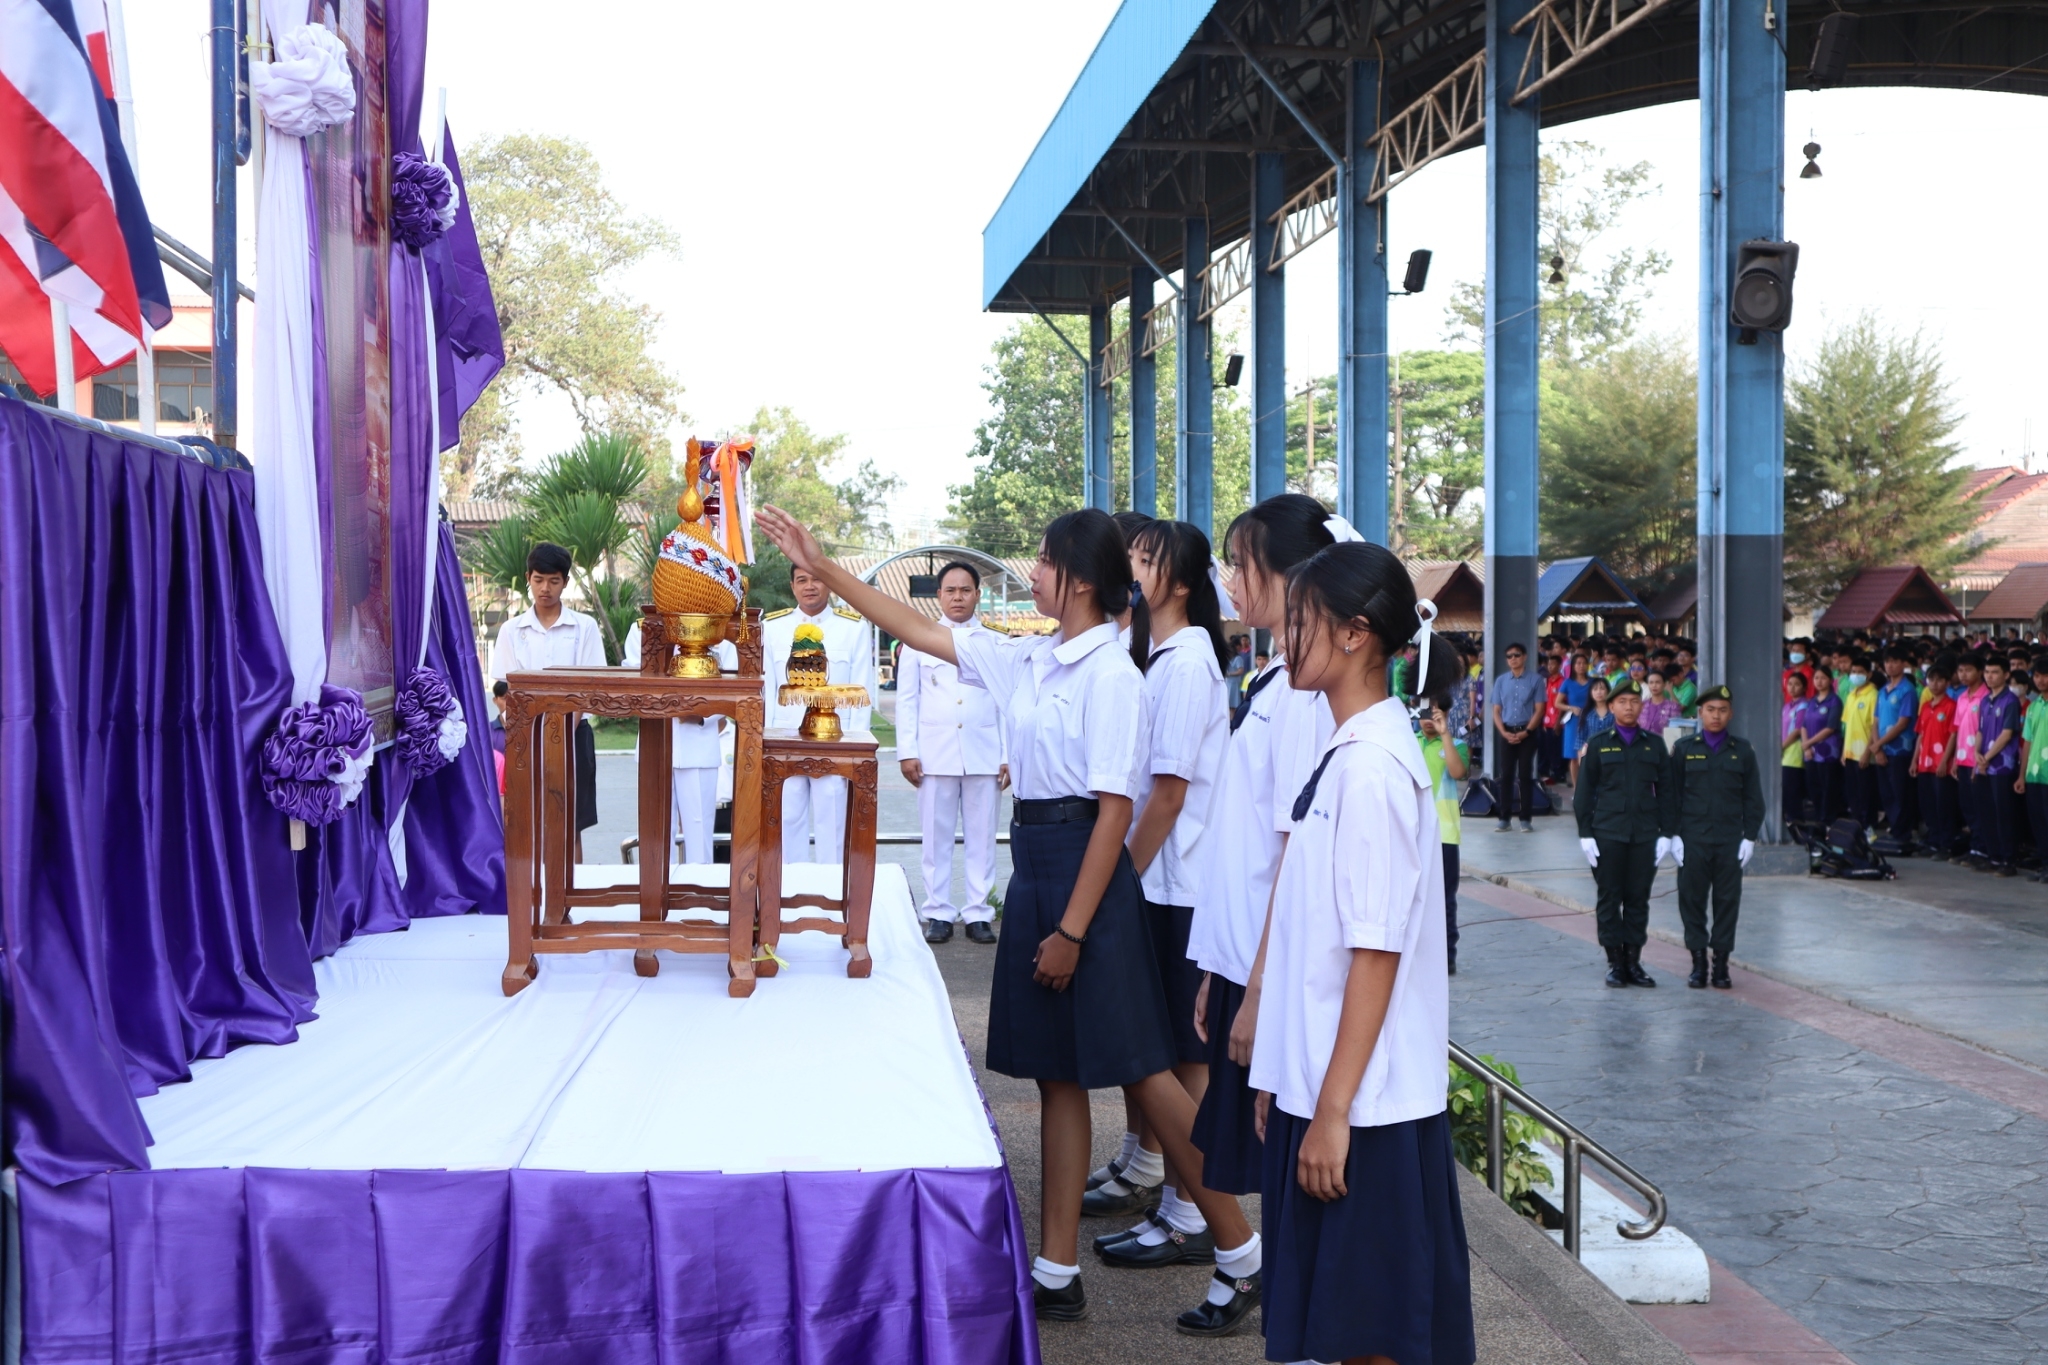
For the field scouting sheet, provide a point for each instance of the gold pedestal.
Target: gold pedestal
(694, 636)
(821, 703)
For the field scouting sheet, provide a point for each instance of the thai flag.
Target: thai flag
(71, 216)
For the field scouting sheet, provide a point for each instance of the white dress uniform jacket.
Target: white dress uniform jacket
(954, 729)
(815, 807)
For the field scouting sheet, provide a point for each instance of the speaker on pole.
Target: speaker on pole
(1761, 300)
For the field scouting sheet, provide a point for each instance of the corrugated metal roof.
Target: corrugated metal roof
(1456, 588)
(2019, 596)
(1895, 594)
(1586, 585)
(481, 512)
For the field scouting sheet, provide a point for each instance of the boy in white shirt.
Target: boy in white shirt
(550, 635)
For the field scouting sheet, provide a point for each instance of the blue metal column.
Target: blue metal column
(1194, 456)
(1095, 411)
(1362, 392)
(1144, 400)
(1513, 341)
(1741, 395)
(1269, 332)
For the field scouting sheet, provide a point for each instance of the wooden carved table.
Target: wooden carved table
(540, 812)
(784, 754)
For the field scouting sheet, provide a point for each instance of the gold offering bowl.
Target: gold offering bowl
(821, 703)
(694, 636)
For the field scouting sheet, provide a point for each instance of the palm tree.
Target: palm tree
(578, 500)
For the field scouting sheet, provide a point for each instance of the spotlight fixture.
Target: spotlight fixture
(1812, 169)
(1233, 370)
(1557, 270)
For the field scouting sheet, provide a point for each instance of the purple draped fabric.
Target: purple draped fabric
(455, 834)
(465, 316)
(146, 885)
(527, 1266)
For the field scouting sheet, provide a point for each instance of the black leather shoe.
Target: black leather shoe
(1636, 975)
(1060, 1305)
(1721, 980)
(1208, 1319)
(980, 932)
(1099, 1203)
(1617, 968)
(1179, 1248)
(938, 931)
(1698, 979)
(1124, 1234)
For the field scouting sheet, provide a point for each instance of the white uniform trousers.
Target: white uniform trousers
(943, 801)
(814, 807)
(694, 794)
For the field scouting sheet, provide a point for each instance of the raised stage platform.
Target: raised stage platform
(604, 1167)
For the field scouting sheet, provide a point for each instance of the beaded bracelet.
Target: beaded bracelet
(1061, 930)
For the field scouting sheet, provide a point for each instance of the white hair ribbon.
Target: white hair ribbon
(1425, 613)
(1341, 530)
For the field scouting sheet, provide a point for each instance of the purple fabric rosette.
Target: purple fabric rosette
(431, 730)
(315, 762)
(422, 200)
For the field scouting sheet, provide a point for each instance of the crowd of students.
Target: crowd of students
(1228, 899)
(1943, 746)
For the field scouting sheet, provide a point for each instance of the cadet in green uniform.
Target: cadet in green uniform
(1621, 829)
(1716, 797)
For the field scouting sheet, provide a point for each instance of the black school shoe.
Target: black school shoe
(1100, 1203)
(1179, 1248)
(1125, 1234)
(1208, 1319)
(1060, 1305)
(938, 931)
(978, 931)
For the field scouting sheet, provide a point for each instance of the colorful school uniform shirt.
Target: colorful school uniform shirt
(1687, 694)
(1791, 734)
(1968, 741)
(1658, 714)
(2035, 737)
(1444, 785)
(1859, 722)
(1998, 713)
(1897, 701)
(1825, 715)
(1936, 734)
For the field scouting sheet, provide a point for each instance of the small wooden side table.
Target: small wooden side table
(540, 811)
(785, 754)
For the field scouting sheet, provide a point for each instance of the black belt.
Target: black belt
(1058, 810)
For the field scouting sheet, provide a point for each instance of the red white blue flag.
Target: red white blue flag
(72, 224)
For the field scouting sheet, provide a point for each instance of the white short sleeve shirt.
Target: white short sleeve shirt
(1073, 710)
(524, 644)
(1364, 869)
(1188, 704)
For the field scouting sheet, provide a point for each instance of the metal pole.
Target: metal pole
(1194, 496)
(1513, 338)
(1496, 1127)
(124, 108)
(1144, 400)
(226, 56)
(1362, 324)
(1096, 410)
(1269, 332)
(1571, 1194)
(66, 396)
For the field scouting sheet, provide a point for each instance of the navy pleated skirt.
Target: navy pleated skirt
(1226, 1130)
(1108, 1027)
(1179, 979)
(1382, 1271)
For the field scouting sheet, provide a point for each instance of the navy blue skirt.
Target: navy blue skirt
(1226, 1130)
(1179, 978)
(1108, 1027)
(1382, 1271)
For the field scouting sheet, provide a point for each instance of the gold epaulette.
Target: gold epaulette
(777, 614)
(848, 613)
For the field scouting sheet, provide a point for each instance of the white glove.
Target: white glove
(1677, 851)
(1743, 850)
(1663, 849)
(1591, 849)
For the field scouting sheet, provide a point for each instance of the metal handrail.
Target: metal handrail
(1577, 1146)
(631, 842)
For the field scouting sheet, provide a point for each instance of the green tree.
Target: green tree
(554, 239)
(1619, 459)
(793, 468)
(1441, 401)
(1868, 476)
(1598, 304)
(579, 500)
(1027, 451)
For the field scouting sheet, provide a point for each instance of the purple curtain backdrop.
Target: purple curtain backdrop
(146, 886)
(527, 1266)
(455, 833)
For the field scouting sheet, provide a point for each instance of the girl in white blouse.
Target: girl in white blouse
(1365, 1241)
(1076, 1003)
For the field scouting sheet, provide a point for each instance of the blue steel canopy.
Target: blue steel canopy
(1161, 123)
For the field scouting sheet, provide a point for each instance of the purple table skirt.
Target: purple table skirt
(387, 1267)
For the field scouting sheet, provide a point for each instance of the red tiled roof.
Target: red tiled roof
(1897, 594)
(2019, 596)
(1978, 480)
(1997, 497)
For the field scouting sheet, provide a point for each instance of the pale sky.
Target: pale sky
(829, 169)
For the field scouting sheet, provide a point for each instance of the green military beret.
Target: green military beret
(1627, 687)
(1718, 692)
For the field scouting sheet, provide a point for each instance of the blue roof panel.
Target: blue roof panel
(1143, 40)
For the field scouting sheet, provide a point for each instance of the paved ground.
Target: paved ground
(1820, 1130)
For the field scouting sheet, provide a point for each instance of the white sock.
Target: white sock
(1181, 1212)
(1144, 1169)
(1052, 1274)
(1100, 1174)
(1239, 1263)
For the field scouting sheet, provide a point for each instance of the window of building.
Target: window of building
(184, 390)
(18, 386)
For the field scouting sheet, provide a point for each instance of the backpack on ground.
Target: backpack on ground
(1843, 851)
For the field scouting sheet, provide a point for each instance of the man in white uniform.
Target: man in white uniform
(949, 739)
(550, 635)
(815, 807)
(695, 754)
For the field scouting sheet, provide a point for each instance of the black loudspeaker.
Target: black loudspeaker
(1418, 271)
(1761, 300)
(924, 585)
(1831, 49)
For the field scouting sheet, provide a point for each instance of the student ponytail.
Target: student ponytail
(1184, 550)
(1279, 533)
(1357, 581)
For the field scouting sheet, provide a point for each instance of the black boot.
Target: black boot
(1721, 980)
(1698, 979)
(1617, 967)
(1636, 975)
